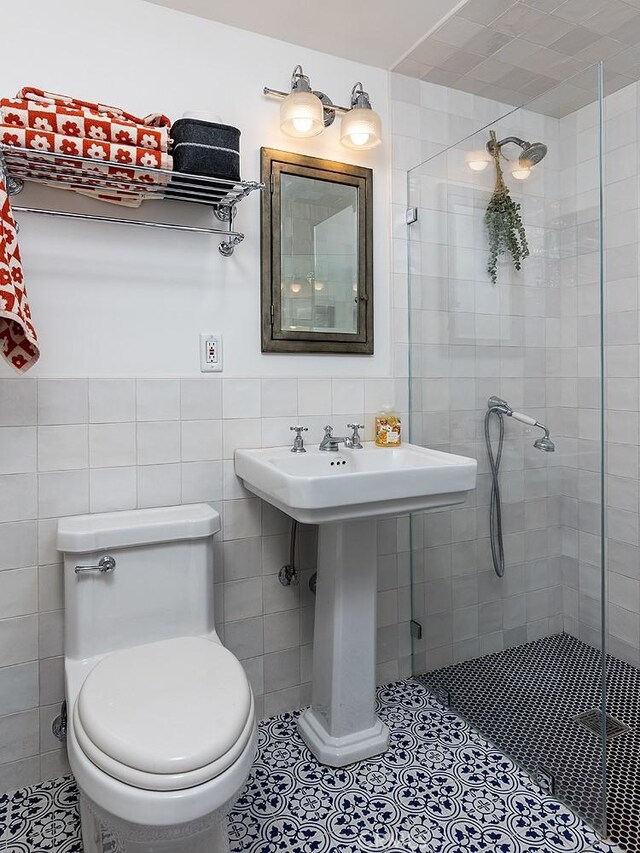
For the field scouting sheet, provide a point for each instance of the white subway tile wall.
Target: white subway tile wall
(470, 339)
(76, 446)
(536, 344)
(577, 392)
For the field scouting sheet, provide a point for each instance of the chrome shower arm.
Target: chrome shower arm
(507, 139)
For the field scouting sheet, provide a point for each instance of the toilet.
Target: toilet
(161, 729)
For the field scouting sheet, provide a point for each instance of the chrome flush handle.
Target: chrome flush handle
(105, 564)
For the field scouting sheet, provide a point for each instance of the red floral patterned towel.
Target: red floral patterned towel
(41, 110)
(120, 192)
(98, 150)
(18, 339)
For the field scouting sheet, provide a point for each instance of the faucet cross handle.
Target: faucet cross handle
(298, 441)
(355, 441)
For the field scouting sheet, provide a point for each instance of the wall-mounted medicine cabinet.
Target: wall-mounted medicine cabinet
(317, 255)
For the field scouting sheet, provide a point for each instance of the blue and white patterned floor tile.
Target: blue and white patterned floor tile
(41, 819)
(440, 788)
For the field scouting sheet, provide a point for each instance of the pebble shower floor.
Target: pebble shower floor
(440, 788)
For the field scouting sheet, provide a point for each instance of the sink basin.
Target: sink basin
(317, 487)
(344, 492)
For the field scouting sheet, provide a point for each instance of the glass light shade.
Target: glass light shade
(478, 161)
(360, 128)
(301, 114)
(521, 173)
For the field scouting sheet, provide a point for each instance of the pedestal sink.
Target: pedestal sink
(344, 492)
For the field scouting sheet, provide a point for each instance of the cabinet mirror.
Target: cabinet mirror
(317, 275)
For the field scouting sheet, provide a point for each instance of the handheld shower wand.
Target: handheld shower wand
(498, 407)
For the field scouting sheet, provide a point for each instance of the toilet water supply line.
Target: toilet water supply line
(499, 408)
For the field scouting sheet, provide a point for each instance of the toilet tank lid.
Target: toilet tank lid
(82, 534)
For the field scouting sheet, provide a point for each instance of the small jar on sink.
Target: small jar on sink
(388, 428)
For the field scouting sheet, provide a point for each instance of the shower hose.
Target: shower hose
(495, 509)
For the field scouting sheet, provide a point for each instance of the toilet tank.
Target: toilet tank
(161, 586)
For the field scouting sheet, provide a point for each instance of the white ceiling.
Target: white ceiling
(374, 32)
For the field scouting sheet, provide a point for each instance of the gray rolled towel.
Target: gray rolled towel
(204, 148)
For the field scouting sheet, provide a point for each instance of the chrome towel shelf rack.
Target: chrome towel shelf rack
(66, 171)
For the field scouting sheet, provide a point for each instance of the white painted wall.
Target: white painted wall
(117, 301)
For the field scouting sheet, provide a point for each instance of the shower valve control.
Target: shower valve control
(210, 353)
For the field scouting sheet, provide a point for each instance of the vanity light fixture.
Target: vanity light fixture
(306, 112)
(301, 112)
(360, 127)
(521, 173)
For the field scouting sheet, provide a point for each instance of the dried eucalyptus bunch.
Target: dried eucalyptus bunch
(505, 228)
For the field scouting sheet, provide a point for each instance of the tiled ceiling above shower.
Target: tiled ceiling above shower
(515, 51)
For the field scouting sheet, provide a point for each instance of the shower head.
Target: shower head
(532, 153)
(545, 444)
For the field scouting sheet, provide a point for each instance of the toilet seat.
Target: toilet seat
(167, 715)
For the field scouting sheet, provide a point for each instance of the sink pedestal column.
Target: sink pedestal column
(342, 726)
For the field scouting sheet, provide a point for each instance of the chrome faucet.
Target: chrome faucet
(331, 442)
(298, 441)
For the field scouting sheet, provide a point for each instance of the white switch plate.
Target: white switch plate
(210, 353)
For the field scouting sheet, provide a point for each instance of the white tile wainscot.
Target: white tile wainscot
(76, 445)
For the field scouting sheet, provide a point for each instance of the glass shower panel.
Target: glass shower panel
(507, 587)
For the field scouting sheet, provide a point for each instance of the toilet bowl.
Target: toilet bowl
(161, 729)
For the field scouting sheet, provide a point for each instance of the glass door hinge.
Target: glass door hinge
(411, 215)
(416, 630)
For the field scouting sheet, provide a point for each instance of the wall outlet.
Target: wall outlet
(210, 353)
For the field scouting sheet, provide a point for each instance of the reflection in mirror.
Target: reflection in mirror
(319, 255)
(316, 255)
